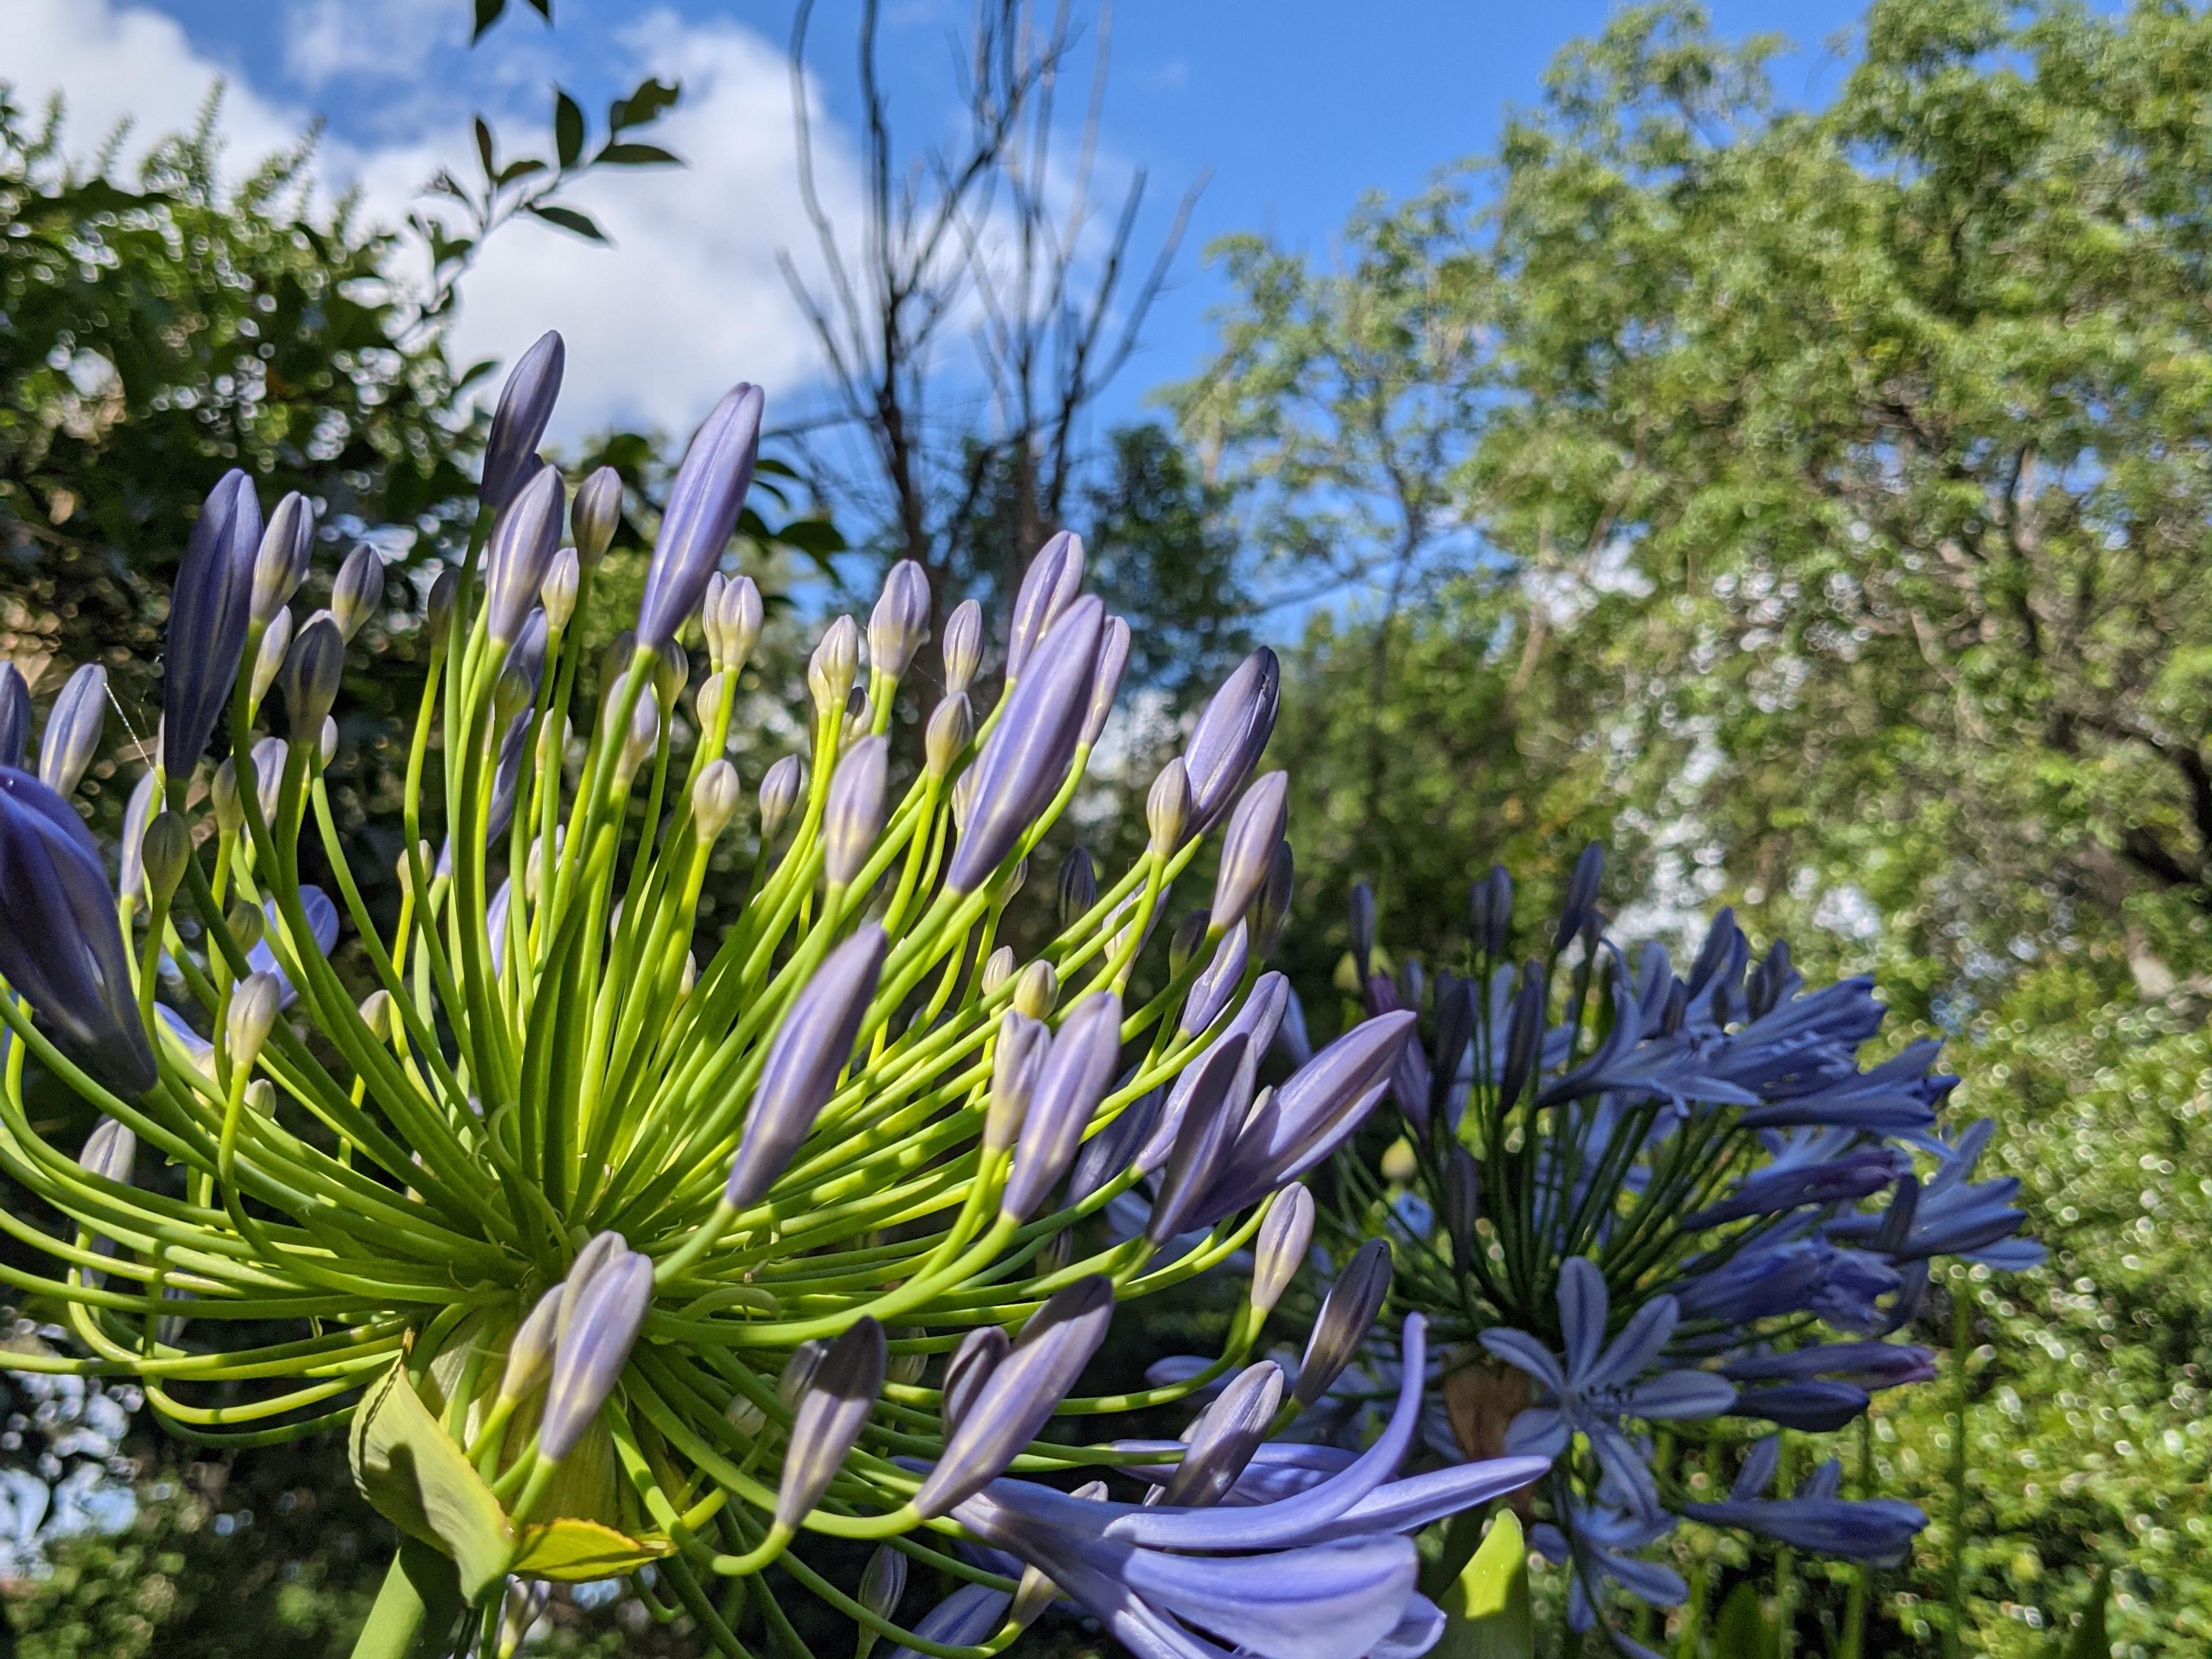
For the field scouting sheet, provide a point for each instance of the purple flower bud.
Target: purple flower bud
(951, 724)
(312, 671)
(702, 510)
(1079, 885)
(1182, 944)
(522, 546)
(1348, 1314)
(15, 716)
(883, 1583)
(853, 815)
(731, 618)
(1271, 911)
(810, 1048)
(73, 729)
(963, 646)
(1211, 991)
(1167, 807)
(592, 1260)
(1025, 760)
(1314, 1113)
(1076, 1069)
(529, 1350)
(900, 622)
(358, 590)
(207, 616)
(594, 1350)
(1490, 912)
(109, 1152)
(1213, 1112)
(1017, 1399)
(1226, 744)
(1106, 678)
(1223, 1437)
(130, 845)
(780, 790)
(1255, 829)
(1048, 587)
(1462, 1202)
(1580, 911)
(526, 405)
(969, 1367)
(830, 1415)
(1524, 1034)
(1455, 1031)
(595, 515)
(1813, 1405)
(1280, 1249)
(280, 564)
(61, 949)
(961, 1620)
(1114, 1148)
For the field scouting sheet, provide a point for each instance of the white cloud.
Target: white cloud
(687, 300)
(392, 40)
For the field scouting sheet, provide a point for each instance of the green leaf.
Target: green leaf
(484, 148)
(1742, 1630)
(543, 8)
(418, 1480)
(567, 129)
(638, 156)
(567, 218)
(576, 1552)
(487, 13)
(521, 169)
(2090, 1639)
(1486, 1611)
(647, 102)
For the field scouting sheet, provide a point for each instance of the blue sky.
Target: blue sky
(1295, 111)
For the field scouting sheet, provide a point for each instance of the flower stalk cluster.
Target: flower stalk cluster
(1657, 1218)
(622, 1245)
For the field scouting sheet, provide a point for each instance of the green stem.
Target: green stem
(416, 1611)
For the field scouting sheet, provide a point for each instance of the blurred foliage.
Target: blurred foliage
(1826, 529)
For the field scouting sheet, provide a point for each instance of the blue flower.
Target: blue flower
(1599, 1543)
(1876, 1530)
(1954, 1215)
(1600, 1384)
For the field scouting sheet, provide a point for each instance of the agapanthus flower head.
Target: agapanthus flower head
(1643, 1198)
(623, 1229)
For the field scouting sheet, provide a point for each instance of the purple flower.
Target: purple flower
(1876, 1530)
(1313, 1114)
(1781, 1185)
(1871, 1365)
(322, 925)
(961, 1620)
(15, 716)
(1076, 1069)
(209, 610)
(1025, 759)
(61, 949)
(594, 1349)
(1600, 1542)
(702, 514)
(1220, 1092)
(1954, 1215)
(810, 1048)
(526, 405)
(1816, 1405)
(1226, 743)
(73, 729)
(1598, 1384)
(1049, 586)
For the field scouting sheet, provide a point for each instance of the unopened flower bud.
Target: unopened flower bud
(714, 799)
(269, 755)
(1183, 943)
(732, 619)
(326, 743)
(593, 1350)
(1167, 808)
(833, 666)
(268, 659)
(1079, 886)
(281, 562)
(1254, 830)
(638, 742)
(523, 540)
(129, 846)
(526, 405)
(1106, 678)
(378, 1015)
(853, 813)
(900, 622)
(252, 1016)
(1048, 588)
(1016, 1062)
(163, 853)
(998, 968)
(952, 725)
(1271, 911)
(73, 729)
(15, 715)
(745, 1416)
(860, 720)
(261, 1099)
(1036, 990)
(1348, 1314)
(971, 1364)
(672, 672)
(358, 590)
(311, 672)
(963, 647)
(1085, 1052)
(883, 1583)
(828, 1420)
(779, 793)
(798, 1373)
(222, 796)
(1280, 1249)
(556, 595)
(245, 923)
(1580, 910)
(597, 511)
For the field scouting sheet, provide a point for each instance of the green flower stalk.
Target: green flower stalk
(614, 1242)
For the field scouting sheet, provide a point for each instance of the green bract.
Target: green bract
(352, 1190)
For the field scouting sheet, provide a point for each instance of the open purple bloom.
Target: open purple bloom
(1876, 1530)
(1600, 1542)
(1596, 1385)
(1955, 1215)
